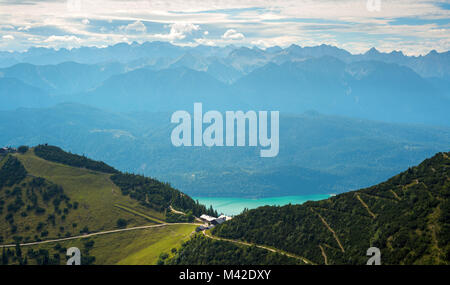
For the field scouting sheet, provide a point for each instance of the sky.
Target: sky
(414, 27)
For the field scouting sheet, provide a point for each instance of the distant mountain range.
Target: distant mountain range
(292, 80)
(319, 154)
(14, 93)
(366, 89)
(165, 90)
(245, 59)
(63, 78)
(339, 111)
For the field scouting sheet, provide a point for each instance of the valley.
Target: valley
(405, 216)
(361, 158)
(318, 154)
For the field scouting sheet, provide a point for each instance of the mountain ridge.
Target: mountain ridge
(425, 65)
(365, 89)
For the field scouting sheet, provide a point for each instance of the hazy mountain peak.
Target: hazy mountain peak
(245, 51)
(274, 49)
(397, 53)
(433, 52)
(372, 51)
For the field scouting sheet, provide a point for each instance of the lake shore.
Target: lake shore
(234, 206)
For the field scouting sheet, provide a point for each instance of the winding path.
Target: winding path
(260, 246)
(98, 234)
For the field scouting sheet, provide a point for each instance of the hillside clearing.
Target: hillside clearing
(129, 246)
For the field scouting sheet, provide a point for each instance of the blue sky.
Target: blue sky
(415, 27)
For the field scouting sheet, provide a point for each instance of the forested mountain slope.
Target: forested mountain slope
(407, 218)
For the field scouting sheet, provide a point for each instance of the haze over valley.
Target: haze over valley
(347, 121)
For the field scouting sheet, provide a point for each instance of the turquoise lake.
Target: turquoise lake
(234, 206)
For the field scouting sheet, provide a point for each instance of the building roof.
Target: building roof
(225, 217)
(207, 218)
(200, 228)
(218, 221)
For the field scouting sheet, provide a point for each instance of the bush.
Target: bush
(12, 172)
(121, 223)
(85, 230)
(23, 149)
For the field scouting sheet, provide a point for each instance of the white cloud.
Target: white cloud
(24, 28)
(137, 26)
(65, 41)
(6, 27)
(232, 35)
(8, 37)
(263, 22)
(178, 31)
(205, 42)
(85, 21)
(33, 39)
(65, 38)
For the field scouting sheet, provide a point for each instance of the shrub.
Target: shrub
(121, 223)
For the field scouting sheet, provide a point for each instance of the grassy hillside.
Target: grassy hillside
(48, 194)
(139, 247)
(148, 246)
(91, 207)
(407, 218)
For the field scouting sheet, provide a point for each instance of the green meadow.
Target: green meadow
(97, 197)
(134, 247)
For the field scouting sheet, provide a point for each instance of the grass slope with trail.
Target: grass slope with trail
(134, 247)
(46, 193)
